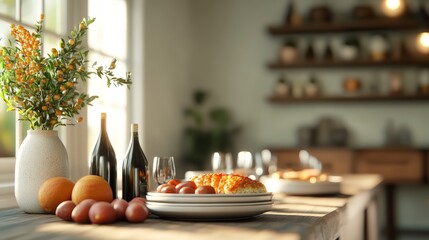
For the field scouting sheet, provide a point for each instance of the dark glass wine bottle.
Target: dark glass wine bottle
(135, 172)
(103, 159)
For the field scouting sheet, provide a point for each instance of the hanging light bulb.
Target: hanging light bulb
(393, 8)
(423, 42)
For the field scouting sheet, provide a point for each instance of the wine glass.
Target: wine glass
(163, 169)
(249, 165)
(222, 162)
(269, 160)
(245, 164)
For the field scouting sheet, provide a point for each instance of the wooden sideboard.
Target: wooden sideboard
(395, 165)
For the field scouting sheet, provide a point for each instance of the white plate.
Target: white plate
(208, 198)
(297, 187)
(208, 211)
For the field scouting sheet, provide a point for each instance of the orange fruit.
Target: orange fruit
(54, 191)
(92, 187)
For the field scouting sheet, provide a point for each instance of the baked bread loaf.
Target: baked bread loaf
(229, 183)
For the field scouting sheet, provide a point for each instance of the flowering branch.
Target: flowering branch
(44, 89)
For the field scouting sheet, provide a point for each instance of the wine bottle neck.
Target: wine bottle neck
(135, 136)
(135, 132)
(103, 127)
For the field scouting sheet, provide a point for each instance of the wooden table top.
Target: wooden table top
(292, 217)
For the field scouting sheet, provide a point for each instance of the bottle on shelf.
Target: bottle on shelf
(403, 50)
(288, 15)
(292, 18)
(135, 172)
(309, 54)
(103, 159)
(328, 54)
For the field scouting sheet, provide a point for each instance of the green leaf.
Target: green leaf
(199, 97)
(220, 116)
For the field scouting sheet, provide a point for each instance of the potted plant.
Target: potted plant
(44, 90)
(207, 131)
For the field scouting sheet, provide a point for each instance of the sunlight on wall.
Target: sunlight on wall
(107, 40)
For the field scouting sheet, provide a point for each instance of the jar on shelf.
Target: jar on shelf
(363, 12)
(378, 47)
(350, 49)
(320, 14)
(423, 86)
(282, 87)
(288, 52)
(352, 85)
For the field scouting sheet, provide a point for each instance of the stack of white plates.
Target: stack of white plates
(208, 206)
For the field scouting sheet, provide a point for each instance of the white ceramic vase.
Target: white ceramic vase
(41, 156)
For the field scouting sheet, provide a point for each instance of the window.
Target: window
(107, 40)
(104, 44)
(25, 12)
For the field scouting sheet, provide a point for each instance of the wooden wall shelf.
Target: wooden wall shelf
(420, 61)
(357, 25)
(409, 23)
(347, 98)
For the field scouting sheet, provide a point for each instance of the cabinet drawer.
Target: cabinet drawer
(412, 207)
(392, 165)
(334, 161)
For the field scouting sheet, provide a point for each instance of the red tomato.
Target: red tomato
(158, 189)
(187, 190)
(64, 210)
(186, 184)
(136, 213)
(80, 213)
(139, 200)
(168, 189)
(174, 182)
(102, 213)
(120, 205)
(205, 190)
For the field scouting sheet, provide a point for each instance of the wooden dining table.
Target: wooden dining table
(350, 214)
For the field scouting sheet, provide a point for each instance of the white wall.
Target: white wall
(223, 46)
(167, 75)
